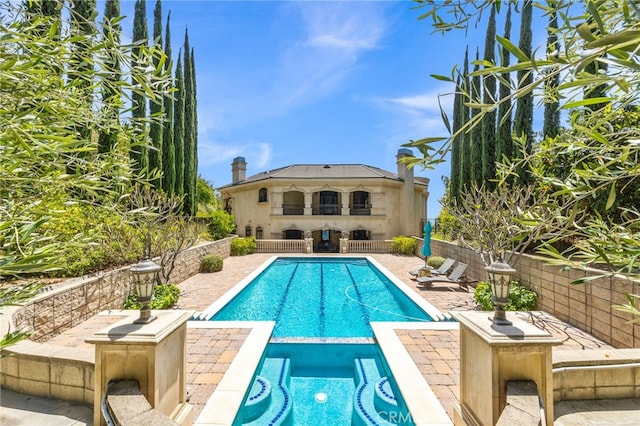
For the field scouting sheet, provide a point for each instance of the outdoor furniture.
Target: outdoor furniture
(455, 277)
(428, 270)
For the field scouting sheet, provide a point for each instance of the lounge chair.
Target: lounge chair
(426, 270)
(455, 277)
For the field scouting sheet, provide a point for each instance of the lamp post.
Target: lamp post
(143, 276)
(500, 278)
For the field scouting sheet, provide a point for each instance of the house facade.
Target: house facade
(327, 202)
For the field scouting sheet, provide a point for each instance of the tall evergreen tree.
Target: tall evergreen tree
(489, 96)
(551, 124)
(82, 27)
(195, 122)
(504, 145)
(168, 147)
(456, 149)
(475, 163)
(595, 68)
(465, 151)
(45, 8)
(155, 106)
(178, 128)
(189, 133)
(111, 96)
(523, 121)
(138, 152)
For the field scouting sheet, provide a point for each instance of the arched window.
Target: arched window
(262, 195)
(259, 232)
(247, 231)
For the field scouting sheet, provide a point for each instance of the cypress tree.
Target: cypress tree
(178, 128)
(46, 8)
(523, 122)
(111, 96)
(194, 99)
(456, 149)
(189, 133)
(465, 151)
(138, 151)
(155, 106)
(489, 119)
(82, 27)
(595, 68)
(168, 148)
(504, 146)
(551, 124)
(475, 164)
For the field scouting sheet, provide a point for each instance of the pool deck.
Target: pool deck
(210, 351)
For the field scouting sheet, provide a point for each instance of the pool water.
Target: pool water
(311, 297)
(323, 384)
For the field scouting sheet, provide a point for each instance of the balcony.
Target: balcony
(360, 210)
(327, 209)
(293, 209)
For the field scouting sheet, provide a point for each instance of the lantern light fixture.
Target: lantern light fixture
(144, 275)
(500, 274)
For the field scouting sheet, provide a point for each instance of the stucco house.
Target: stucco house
(326, 202)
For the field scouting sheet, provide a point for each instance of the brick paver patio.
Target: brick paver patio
(435, 352)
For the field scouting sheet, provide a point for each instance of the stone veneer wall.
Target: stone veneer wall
(78, 299)
(49, 371)
(588, 307)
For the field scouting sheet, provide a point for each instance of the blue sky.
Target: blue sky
(300, 82)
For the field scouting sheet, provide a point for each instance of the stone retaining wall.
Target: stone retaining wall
(49, 371)
(589, 307)
(596, 374)
(74, 301)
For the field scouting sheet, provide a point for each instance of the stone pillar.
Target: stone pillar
(308, 203)
(153, 354)
(344, 245)
(308, 244)
(345, 210)
(490, 356)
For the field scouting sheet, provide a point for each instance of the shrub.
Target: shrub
(435, 261)
(405, 246)
(520, 298)
(211, 263)
(164, 297)
(242, 246)
(221, 224)
(448, 224)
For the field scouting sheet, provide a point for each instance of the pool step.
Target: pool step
(369, 407)
(258, 400)
(276, 407)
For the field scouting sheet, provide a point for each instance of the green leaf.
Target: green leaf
(612, 196)
(586, 102)
(442, 78)
(513, 49)
(585, 32)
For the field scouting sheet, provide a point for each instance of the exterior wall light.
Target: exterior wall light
(144, 275)
(500, 274)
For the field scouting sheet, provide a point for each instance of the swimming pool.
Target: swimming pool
(321, 297)
(323, 384)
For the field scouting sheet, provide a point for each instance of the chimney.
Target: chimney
(407, 203)
(238, 170)
(403, 171)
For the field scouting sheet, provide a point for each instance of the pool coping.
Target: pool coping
(423, 405)
(232, 389)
